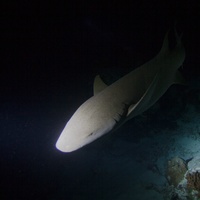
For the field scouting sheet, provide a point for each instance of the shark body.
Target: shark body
(111, 106)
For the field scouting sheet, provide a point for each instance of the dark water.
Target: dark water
(48, 65)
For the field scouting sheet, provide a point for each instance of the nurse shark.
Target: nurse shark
(113, 105)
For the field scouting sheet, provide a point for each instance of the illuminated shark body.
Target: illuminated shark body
(111, 106)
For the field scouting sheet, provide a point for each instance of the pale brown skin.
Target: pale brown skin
(112, 106)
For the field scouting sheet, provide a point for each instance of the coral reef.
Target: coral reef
(176, 169)
(193, 180)
(184, 184)
(172, 193)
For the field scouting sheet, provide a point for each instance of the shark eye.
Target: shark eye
(90, 134)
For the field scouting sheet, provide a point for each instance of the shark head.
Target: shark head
(83, 128)
(69, 141)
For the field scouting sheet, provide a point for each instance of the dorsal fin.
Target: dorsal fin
(99, 85)
(178, 38)
(165, 45)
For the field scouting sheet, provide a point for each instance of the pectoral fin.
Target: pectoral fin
(144, 102)
(152, 94)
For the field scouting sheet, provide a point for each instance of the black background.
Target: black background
(50, 53)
